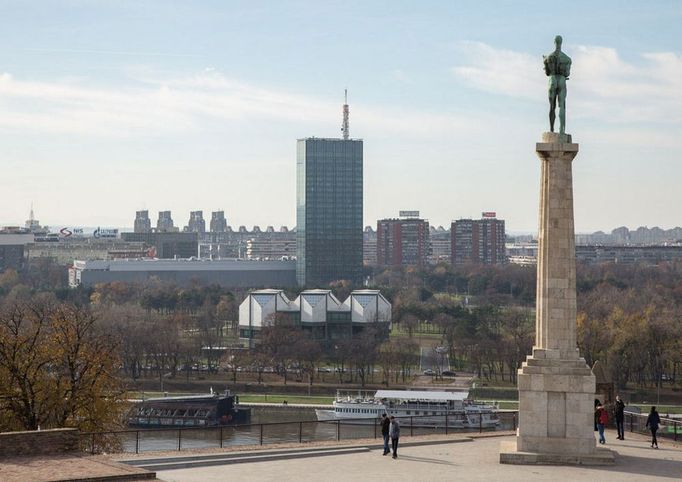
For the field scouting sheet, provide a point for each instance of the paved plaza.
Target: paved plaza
(473, 461)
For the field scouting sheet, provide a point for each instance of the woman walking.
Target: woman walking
(653, 421)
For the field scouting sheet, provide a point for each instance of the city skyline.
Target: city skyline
(449, 100)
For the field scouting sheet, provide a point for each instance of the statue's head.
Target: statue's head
(557, 42)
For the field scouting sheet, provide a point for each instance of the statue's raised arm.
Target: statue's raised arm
(557, 68)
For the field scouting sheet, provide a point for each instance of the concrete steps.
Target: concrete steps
(186, 462)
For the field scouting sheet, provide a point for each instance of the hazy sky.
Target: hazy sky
(107, 107)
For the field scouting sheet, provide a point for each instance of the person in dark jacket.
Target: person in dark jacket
(653, 421)
(620, 417)
(602, 419)
(394, 433)
(385, 425)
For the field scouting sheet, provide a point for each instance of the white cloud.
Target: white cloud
(157, 105)
(602, 86)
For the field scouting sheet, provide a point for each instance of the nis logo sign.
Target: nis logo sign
(67, 232)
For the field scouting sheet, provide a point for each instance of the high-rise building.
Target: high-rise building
(404, 241)
(218, 222)
(329, 211)
(478, 241)
(196, 222)
(142, 222)
(165, 223)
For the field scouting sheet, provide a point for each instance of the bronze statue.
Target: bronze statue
(557, 68)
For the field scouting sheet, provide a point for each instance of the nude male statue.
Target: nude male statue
(557, 68)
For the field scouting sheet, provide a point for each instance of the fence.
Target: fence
(669, 429)
(144, 440)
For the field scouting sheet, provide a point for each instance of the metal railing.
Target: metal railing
(669, 428)
(164, 439)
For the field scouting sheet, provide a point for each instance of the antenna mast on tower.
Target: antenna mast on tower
(344, 126)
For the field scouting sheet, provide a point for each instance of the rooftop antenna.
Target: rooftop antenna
(30, 216)
(344, 126)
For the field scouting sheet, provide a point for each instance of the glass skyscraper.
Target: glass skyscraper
(328, 211)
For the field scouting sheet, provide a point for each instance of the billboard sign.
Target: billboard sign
(105, 233)
(68, 232)
(409, 214)
(489, 214)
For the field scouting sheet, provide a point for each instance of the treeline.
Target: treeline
(484, 317)
(629, 317)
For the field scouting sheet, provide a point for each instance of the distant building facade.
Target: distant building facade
(164, 223)
(369, 246)
(318, 312)
(166, 245)
(522, 253)
(329, 203)
(63, 250)
(218, 222)
(441, 245)
(235, 243)
(142, 222)
(13, 249)
(596, 254)
(185, 272)
(272, 245)
(403, 242)
(478, 241)
(196, 223)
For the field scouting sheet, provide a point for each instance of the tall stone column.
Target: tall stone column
(556, 300)
(556, 387)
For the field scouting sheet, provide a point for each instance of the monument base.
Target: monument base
(509, 455)
(556, 412)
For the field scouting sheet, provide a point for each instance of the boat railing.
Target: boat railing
(191, 437)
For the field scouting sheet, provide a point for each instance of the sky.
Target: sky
(112, 106)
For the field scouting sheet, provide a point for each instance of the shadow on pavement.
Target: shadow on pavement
(424, 459)
(645, 466)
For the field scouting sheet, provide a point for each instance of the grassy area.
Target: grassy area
(662, 409)
(250, 397)
(275, 398)
(146, 395)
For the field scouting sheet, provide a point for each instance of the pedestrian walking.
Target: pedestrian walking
(394, 433)
(385, 426)
(602, 419)
(620, 417)
(653, 421)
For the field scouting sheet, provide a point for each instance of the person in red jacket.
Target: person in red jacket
(602, 419)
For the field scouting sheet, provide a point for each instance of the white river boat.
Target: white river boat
(412, 407)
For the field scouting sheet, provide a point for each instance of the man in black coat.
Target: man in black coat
(385, 424)
(620, 417)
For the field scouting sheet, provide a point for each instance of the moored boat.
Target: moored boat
(189, 411)
(414, 407)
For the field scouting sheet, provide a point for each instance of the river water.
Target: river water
(291, 425)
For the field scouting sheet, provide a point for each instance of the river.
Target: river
(292, 425)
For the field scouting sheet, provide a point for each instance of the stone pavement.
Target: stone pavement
(45, 468)
(477, 461)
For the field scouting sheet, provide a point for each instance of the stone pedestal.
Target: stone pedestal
(556, 387)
